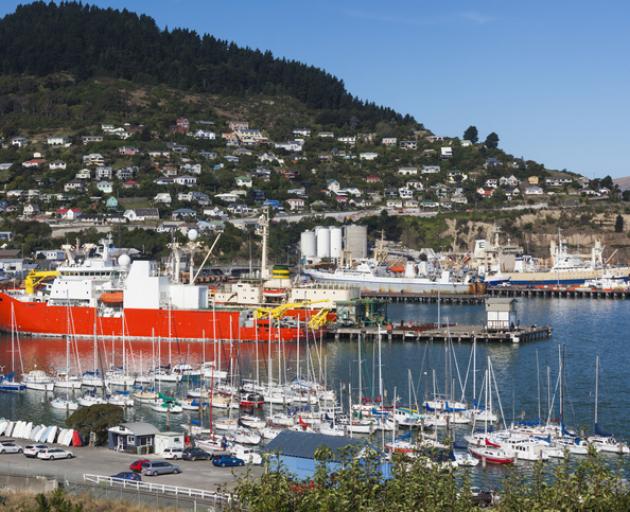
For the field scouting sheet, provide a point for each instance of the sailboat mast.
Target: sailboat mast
(596, 387)
(360, 372)
(380, 367)
(538, 384)
(474, 375)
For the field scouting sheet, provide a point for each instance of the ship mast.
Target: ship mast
(263, 222)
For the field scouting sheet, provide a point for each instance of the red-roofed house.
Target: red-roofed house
(69, 213)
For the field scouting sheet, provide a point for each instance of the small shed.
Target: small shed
(138, 437)
(501, 314)
(169, 440)
(294, 452)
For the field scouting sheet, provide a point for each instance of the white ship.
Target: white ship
(371, 276)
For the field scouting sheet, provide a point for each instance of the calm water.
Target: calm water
(584, 327)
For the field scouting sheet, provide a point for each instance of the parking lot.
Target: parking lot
(101, 461)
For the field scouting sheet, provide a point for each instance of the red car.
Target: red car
(136, 465)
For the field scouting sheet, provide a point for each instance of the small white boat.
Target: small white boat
(120, 399)
(244, 436)
(608, 444)
(252, 422)
(464, 459)
(38, 380)
(330, 429)
(167, 407)
(88, 400)
(269, 433)
(62, 403)
(226, 424)
(145, 397)
(64, 381)
(193, 404)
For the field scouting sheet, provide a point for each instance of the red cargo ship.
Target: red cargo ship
(106, 292)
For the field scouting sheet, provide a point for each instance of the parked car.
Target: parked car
(224, 461)
(136, 465)
(172, 453)
(128, 475)
(159, 467)
(31, 450)
(54, 453)
(196, 454)
(10, 447)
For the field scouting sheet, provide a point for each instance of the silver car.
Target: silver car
(159, 467)
(10, 447)
(31, 450)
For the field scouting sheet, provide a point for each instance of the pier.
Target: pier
(426, 298)
(444, 332)
(557, 292)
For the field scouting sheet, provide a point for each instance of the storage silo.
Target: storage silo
(356, 240)
(308, 245)
(323, 242)
(336, 243)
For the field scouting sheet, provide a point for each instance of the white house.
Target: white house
(415, 185)
(389, 141)
(185, 181)
(204, 135)
(301, 132)
(141, 214)
(492, 183)
(227, 197)
(295, 203)
(368, 155)
(103, 173)
(408, 171)
(508, 181)
(243, 181)
(408, 145)
(57, 165)
(348, 140)
(394, 203)
(293, 146)
(94, 159)
(84, 174)
(534, 190)
(57, 141)
(105, 187)
(431, 169)
(162, 198)
(405, 193)
(446, 152)
(74, 186)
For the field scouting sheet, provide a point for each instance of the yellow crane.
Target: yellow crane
(278, 311)
(319, 319)
(36, 277)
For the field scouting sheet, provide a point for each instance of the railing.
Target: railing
(170, 490)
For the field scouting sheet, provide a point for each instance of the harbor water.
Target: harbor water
(584, 328)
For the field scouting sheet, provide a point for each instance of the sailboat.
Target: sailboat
(8, 382)
(604, 441)
(66, 403)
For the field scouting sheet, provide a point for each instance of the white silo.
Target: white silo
(356, 240)
(336, 243)
(308, 245)
(323, 242)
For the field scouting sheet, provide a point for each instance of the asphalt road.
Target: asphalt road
(101, 461)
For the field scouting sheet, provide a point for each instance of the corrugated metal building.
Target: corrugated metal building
(294, 452)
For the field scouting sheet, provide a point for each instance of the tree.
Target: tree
(492, 141)
(97, 419)
(619, 224)
(471, 134)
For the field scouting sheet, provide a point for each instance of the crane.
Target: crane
(36, 277)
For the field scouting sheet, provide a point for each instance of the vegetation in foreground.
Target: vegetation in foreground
(59, 501)
(591, 485)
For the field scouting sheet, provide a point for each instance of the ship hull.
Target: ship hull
(562, 278)
(42, 319)
(391, 284)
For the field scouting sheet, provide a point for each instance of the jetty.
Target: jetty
(426, 297)
(558, 292)
(444, 332)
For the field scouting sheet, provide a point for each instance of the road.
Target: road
(101, 461)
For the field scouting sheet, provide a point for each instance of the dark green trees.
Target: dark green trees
(471, 134)
(492, 141)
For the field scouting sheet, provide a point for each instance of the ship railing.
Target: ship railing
(169, 490)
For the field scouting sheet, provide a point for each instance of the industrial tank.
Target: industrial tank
(356, 240)
(323, 242)
(336, 243)
(308, 246)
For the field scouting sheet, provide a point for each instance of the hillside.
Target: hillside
(86, 41)
(623, 183)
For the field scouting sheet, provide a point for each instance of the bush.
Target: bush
(97, 419)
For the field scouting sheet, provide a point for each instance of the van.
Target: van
(159, 467)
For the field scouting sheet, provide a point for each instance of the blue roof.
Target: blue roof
(304, 444)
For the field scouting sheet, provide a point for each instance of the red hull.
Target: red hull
(39, 318)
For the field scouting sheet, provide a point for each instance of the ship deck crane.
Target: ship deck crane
(36, 277)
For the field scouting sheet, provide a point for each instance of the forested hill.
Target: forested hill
(87, 41)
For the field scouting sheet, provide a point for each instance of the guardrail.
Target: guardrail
(168, 490)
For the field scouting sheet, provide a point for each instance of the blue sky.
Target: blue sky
(550, 77)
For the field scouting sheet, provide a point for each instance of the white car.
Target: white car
(173, 453)
(31, 450)
(54, 453)
(10, 447)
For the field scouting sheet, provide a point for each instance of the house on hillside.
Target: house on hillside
(295, 204)
(407, 171)
(142, 214)
(69, 213)
(163, 198)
